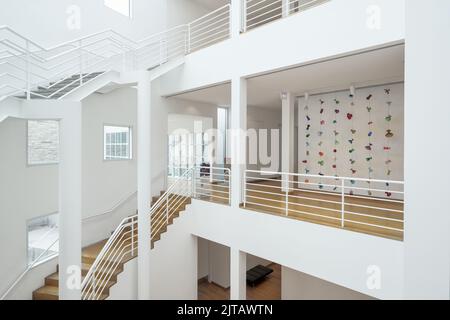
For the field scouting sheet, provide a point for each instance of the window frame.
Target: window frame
(27, 141)
(47, 258)
(130, 143)
(130, 15)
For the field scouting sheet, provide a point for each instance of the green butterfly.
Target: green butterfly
(369, 159)
(351, 150)
(388, 118)
(321, 163)
(369, 109)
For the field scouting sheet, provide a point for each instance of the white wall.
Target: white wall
(45, 21)
(360, 120)
(127, 283)
(338, 256)
(296, 285)
(107, 183)
(263, 49)
(203, 258)
(25, 193)
(183, 11)
(173, 273)
(427, 222)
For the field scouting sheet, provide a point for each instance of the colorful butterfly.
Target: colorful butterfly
(389, 133)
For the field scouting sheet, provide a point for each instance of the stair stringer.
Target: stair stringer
(173, 265)
(10, 108)
(92, 86)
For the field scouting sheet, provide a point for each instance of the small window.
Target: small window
(118, 143)
(43, 234)
(43, 142)
(120, 6)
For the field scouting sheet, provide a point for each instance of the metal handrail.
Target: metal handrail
(78, 53)
(117, 246)
(30, 267)
(384, 206)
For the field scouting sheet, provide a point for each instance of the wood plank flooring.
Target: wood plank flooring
(325, 209)
(270, 289)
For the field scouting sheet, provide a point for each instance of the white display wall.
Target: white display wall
(348, 136)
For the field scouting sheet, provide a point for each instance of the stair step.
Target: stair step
(46, 293)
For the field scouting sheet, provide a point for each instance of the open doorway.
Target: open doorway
(214, 274)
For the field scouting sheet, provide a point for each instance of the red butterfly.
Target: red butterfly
(389, 194)
(349, 116)
(387, 148)
(334, 166)
(305, 161)
(321, 154)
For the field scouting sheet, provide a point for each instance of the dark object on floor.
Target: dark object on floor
(257, 274)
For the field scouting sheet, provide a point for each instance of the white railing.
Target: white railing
(260, 12)
(121, 246)
(364, 205)
(212, 184)
(209, 29)
(42, 257)
(26, 66)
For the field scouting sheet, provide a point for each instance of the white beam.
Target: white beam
(144, 185)
(238, 274)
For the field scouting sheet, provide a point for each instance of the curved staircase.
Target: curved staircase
(166, 208)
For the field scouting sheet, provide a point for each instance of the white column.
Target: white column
(427, 114)
(287, 135)
(237, 17)
(70, 205)
(238, 138)
(144, 184)
(238, 274)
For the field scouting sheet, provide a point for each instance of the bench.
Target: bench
(257, 274)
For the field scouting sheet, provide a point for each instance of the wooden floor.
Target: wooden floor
(269, 289)
(325, 209)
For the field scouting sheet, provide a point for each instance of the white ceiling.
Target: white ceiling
(212, 4)
(370, 68)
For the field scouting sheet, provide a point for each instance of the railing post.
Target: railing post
(343, 203)
(167, 209)
(124, 58)
(188, 39)
(28, 71)
(81, 61)
(244, 189)
(243, 17)
(94, 285)
(132, 236)
(287, 202)
(161, 51)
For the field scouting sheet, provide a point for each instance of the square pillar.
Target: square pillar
(238, 138)
(70, 215)
(144, 184)
(427, 218)
(287, 135)
(238, 274)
